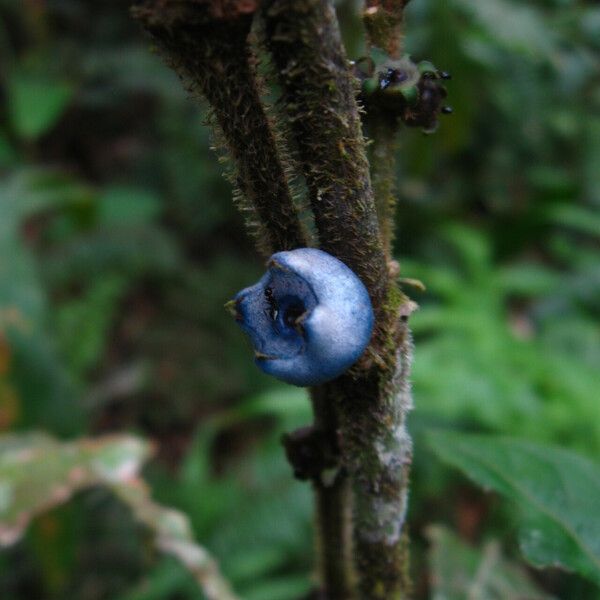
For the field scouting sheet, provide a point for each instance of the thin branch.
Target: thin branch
(371, 400)
(206, 43)
(332, 493)
(383, 130)
(384, 22)
(314, 455)
(319, 96)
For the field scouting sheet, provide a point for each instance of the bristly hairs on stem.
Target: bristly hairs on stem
(384, 24)
(206, 43)
(365, 408)
(372, 399)
(319, 95)
(284, 136)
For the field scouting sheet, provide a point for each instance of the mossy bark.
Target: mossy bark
(207, 44)
(384, 22)
(372, 399)
(376, 450)
(383, 132)
(319, 98)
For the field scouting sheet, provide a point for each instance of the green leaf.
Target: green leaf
(36, 104)
(41, 386)
(131, 252)
(29, 191)
(288, 404)
(459, 571)
(38, 473)
(281, 588)
(558, 492)
(528, 279)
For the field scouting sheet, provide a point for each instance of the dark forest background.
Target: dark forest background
(119, 245)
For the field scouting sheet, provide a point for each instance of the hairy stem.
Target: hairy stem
(314, 454)
(333, 511)
(383, 130)
(377, 451)
(371, 400)
(206, 43)
(319, 97)
(384, 21)
(389, 451)
(333, 533)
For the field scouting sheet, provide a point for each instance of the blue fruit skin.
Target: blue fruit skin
(335, 317)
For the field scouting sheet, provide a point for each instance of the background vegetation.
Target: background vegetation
(119, 245)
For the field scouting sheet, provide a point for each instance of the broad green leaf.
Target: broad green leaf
(578, 218)
(45, 393)
(528, 279)
(29, 191)
(281, 588)
(35, 104)
(285, 403)
(558, 492)
(459, 571)
(37, 473)
(132, 252)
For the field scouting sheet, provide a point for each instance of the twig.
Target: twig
(384, 24)
(383, 130)
(319, 97)
(384, 21)
(332, 494)
(373, 398)
(314, 455)
(206, 43)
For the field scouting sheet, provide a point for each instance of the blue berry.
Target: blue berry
(309, 317)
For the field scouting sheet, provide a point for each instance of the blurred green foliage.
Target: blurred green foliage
(119, 245)
(459, 571)
(557, 492)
